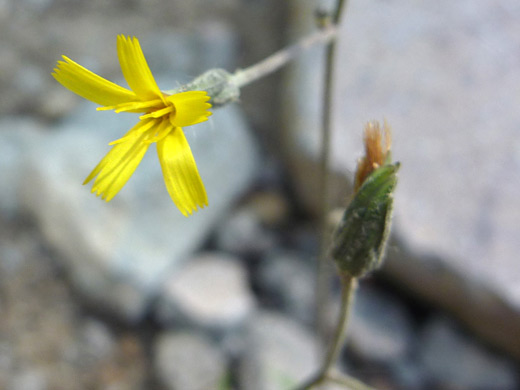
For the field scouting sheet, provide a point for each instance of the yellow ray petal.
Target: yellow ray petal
(136, 70)
(89, 85)
(118, 170)
(141, 127)
(114, 170)
(136, 107)
(190, 108)
(130, 135)
(160, 131)
(158, 113)
(180, 172)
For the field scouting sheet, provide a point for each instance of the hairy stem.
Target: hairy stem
(348, 290)
(349, 285)
(323, 272)
(277, 60)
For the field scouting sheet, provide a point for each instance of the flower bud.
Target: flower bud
(360, 239)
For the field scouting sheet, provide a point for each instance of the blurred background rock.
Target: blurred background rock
(132, 295)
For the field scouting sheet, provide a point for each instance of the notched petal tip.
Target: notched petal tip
(180, 173)
(89, 85)
(191, 107)
(194, 209)
(135, 69)
(118, 165)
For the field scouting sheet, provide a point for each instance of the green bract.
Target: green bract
(360, 239)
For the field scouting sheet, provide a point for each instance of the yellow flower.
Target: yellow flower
(162, 122)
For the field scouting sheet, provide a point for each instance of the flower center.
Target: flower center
(164, 111)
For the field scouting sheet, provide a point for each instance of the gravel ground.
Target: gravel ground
(47, 339)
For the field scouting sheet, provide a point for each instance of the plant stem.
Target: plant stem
(339, 11)
(275, 61)
(348, 290)
(323, 273)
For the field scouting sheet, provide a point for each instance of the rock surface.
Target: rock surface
(380, 328)
(19, 138)
(188, 361)
(210, 292)
(242, 233)
(286, 282)
(46, 341)
(445, 78)
(279, 353)
(451, 360)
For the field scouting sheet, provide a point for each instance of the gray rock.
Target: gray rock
(28, 379)
(56, 105)
(242, 233)
(287, 280)
(18, 140)
(187, 361)
(279, 353)
(117, 253)
(36, 5)
(211, 292)
(448, 84)
(408, 374)
(214, 47)
(453, 360)
(271, 206)
(5, 9)
(46, 342)
(380, 328)
(96, 340)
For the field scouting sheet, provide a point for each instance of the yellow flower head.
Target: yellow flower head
(162, 121)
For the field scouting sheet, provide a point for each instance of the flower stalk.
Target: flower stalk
(224, 87)
(281, 58)
(360, 239)
(323, 274)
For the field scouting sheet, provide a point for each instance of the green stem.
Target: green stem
(224, 87)
(339, 11)
(348, 290)
(323, 272)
